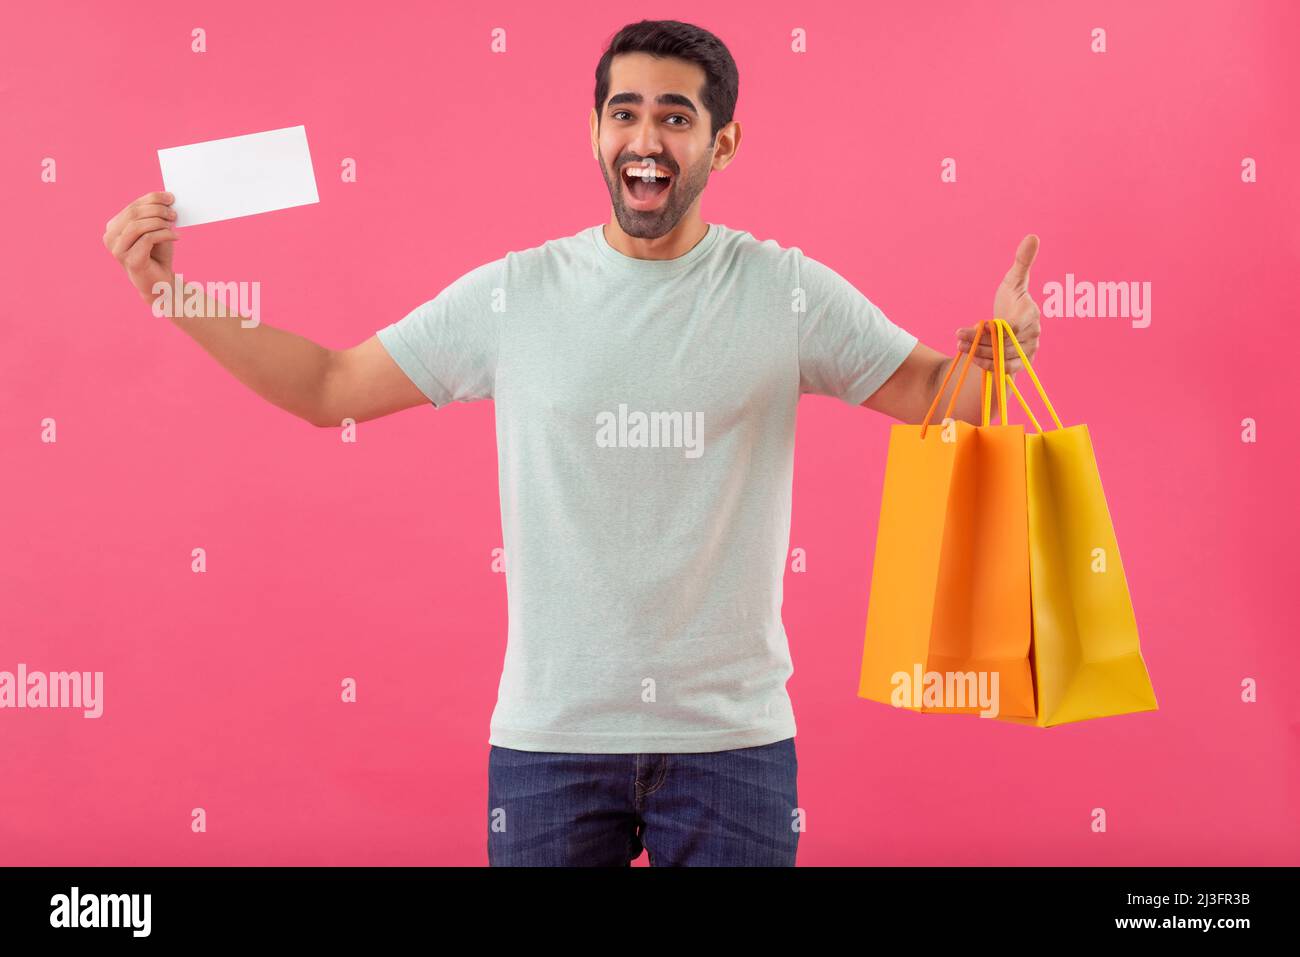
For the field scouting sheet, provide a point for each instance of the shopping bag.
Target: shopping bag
(1086, 654)
(948, 621)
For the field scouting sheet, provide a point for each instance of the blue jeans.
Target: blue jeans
(714, 808)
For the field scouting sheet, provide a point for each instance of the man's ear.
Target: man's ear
(727, 142)
(594, 122)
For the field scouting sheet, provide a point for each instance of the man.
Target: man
(646, 374)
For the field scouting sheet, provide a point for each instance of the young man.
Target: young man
(646, 374)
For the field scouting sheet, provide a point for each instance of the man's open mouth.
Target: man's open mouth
(646, 182)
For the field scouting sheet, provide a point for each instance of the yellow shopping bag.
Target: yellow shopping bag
(948, 623)
(1086, 654)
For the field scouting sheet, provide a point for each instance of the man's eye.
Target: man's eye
(617, 114)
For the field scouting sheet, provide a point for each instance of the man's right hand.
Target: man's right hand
(141, 237)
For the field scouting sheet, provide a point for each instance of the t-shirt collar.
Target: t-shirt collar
(652, 266)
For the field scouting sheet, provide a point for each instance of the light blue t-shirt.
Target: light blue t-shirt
(645, 420)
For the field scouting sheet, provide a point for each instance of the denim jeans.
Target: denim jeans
(713, 808)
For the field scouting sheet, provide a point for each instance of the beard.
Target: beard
(683, 190)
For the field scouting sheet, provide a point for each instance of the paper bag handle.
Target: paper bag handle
(994, 324)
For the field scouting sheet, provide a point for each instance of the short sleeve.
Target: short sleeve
(448, 346)
(848, 348)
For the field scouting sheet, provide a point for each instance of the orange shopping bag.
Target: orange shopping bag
(948, 622)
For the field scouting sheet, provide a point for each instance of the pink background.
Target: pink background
(373, 560)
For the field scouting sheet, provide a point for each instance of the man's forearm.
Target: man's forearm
(287, 370)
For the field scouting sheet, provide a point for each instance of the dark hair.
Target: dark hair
(671, 38)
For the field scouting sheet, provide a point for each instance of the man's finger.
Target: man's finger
(987, 365)
(968, 332)
(1019, 328)
(130, 237)
(966, 336)
(150, 204)
(155, 197)
(986, 352)
(142, 249)
(1018, 275)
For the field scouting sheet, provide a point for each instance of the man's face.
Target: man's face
(653, 116)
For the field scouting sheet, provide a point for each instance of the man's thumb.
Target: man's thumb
(1018, 275)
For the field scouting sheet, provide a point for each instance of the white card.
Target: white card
(239, 176)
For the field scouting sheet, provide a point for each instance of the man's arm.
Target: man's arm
(365, 383)
(907, 394)
(320, 385)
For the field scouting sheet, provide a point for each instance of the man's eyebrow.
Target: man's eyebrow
(663, 99)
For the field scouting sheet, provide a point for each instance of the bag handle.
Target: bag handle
(1042, 393)
(1003, 379)
(961, 380)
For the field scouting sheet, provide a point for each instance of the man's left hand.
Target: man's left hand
(1013, 303)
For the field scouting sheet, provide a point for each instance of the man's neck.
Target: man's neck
(678, 242)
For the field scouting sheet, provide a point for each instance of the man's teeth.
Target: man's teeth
(646, 173)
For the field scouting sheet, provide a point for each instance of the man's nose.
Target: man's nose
(647, 141)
